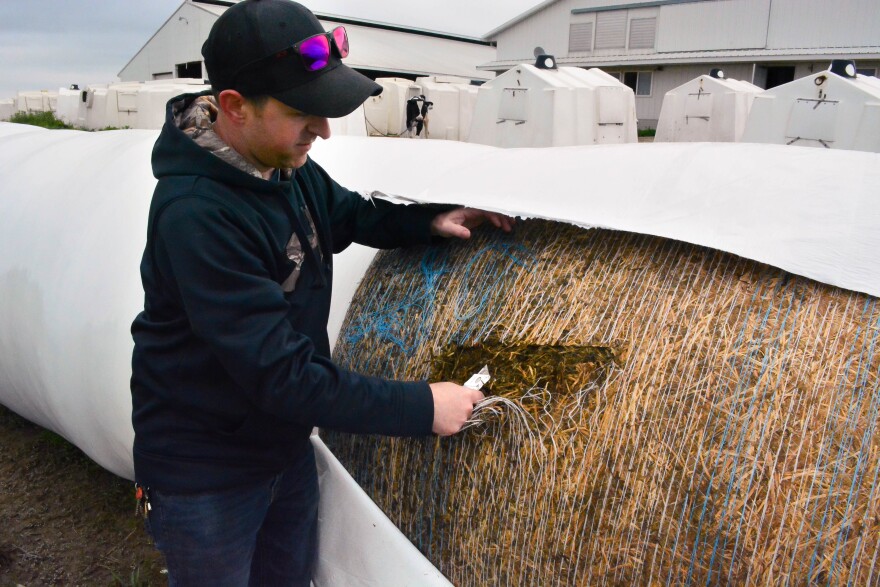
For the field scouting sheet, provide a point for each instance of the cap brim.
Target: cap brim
(335, 93)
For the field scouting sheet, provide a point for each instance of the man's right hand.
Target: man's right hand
(453, 405)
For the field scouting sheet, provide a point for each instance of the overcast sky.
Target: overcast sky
(47, 44)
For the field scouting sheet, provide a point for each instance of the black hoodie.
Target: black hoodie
(230, 372)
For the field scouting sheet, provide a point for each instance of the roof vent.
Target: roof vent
(716, 73)
(543, 60)
(843, 67)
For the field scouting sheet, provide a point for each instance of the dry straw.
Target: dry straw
(663, 413)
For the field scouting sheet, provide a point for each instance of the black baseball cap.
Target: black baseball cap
(252, 30)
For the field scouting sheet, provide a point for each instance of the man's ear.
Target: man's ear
(232, 104)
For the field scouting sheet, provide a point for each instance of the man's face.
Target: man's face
(280, 137)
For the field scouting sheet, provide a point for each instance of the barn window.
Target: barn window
(639, 81)
(580, 37)
(872, 72)
(193, 69)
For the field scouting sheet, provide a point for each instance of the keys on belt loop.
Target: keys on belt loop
(142, 505)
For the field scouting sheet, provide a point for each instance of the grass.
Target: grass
(43, 119)
(50, 121)
(647, 132)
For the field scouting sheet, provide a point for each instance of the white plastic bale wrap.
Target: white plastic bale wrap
(73, 211)
(812, 212)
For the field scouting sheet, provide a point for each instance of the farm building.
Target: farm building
(654, 46)
(174, 51)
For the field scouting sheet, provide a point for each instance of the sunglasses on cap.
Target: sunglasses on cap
(314, 51)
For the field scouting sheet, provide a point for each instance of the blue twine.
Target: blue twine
(861, 462)
(760, 444)
(869, 433)
(384, 320)
(838, 406)
(733, 484)
(724, 435)
(847, 439)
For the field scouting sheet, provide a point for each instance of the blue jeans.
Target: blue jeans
(263, 534)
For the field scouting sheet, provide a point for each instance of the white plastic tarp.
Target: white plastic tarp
(359, 546)
(811, 212)
(72, 239)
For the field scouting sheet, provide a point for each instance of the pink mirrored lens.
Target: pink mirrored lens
(341, 38)
(315, 52)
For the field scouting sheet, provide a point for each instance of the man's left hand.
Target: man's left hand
(457, 223)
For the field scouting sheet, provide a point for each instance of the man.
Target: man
(231, 367)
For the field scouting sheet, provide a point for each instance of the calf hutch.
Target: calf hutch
(708, 108)
(530, 106)
(832, 109)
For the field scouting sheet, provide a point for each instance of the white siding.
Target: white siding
(178, 41)
(642, 33)
(817, 23)
(546, 28)
(611, 30)
(706, 26)
(580, 37)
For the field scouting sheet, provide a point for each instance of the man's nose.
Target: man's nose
(320, 126)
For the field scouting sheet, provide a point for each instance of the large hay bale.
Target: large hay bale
(677, 414)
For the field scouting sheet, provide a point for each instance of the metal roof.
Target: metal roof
(218, 7)
(384, 47)
(608, 6)
(688, 57)
(378, 49)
